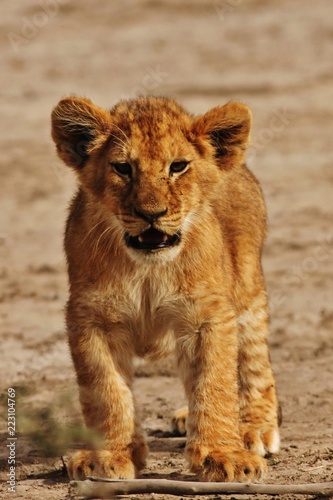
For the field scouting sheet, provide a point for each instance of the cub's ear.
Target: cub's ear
(78, 127)
(227, 129)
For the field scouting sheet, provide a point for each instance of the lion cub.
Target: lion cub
(163, 243)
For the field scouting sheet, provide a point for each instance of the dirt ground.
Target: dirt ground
(276, 57)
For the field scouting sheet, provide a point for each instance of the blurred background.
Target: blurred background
(274, 56)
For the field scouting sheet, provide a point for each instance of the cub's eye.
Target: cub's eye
(123, 169)
(178, 166)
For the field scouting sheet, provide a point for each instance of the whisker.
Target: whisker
(99, 239)
(92, 229)
(112, 240)
(113, 231)
(195, 223)
(122, 143)
(121, 130)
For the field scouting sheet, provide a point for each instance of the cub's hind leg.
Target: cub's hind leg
(259, 411)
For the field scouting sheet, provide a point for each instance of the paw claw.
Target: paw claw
(230, 466)
(103, 463)
(262, 442)
(178, 421)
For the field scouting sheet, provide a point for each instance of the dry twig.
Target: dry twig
(108, 488)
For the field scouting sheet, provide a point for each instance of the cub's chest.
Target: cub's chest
(145, 306)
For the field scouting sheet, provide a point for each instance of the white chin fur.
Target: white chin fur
(159, 257)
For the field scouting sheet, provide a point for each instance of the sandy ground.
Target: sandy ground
(275, 56)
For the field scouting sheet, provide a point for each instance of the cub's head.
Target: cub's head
(151, 169)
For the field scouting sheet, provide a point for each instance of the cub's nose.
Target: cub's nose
(148, 216)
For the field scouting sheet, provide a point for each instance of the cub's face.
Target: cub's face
(150, 168)
(151, 179)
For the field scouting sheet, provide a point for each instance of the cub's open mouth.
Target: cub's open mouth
(152, 239)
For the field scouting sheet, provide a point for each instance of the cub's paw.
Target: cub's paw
(229, 466)
(101, 463)
(262, 441)
(178, 421)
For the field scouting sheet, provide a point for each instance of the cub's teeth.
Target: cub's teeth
(140, 238)
(165, 237)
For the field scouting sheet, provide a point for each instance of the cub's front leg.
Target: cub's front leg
(208, 364)
(104, 377)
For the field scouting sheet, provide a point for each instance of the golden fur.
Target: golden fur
(163, 243)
